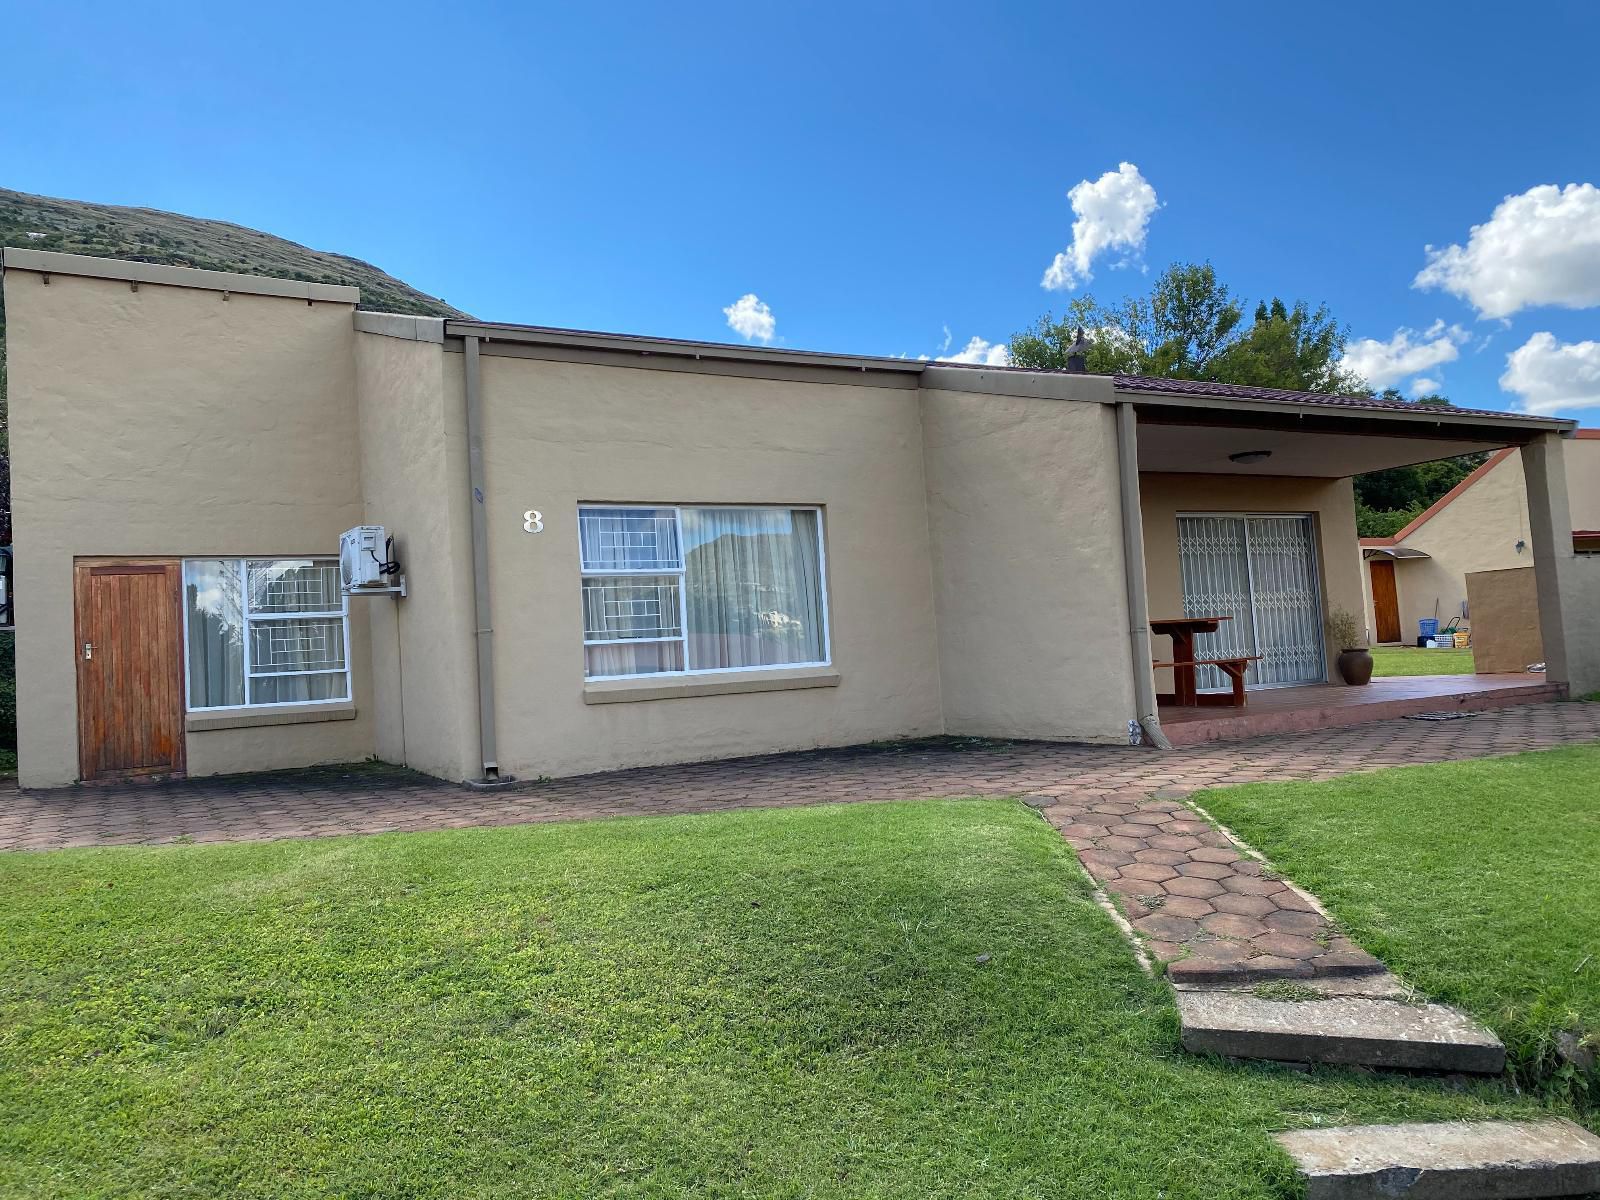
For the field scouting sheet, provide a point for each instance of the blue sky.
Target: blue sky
(875, 175)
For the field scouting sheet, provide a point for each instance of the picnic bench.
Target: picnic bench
(1184, 664)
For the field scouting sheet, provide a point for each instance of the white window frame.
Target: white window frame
(680, 573)
(243, 567)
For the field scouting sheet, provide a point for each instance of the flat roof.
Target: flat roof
(1181, 392)
(1154, 391)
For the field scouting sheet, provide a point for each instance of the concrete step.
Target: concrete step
(1478, 1160)
(1351, 1030)
(1232, 725)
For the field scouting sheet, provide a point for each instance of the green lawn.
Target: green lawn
(897, 1000)
(1477, 881)
(1412, 660)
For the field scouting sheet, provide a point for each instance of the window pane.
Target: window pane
(296, 644)
(636, 607)
(215, 606)
(628, 539)
(633, 658)
(288, 585)
(754, 587)
(293, 689)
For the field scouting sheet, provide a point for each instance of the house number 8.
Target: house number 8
(533, 521)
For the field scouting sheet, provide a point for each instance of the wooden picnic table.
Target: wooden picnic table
(1185, 666)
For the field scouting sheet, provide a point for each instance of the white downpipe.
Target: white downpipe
(480, 561)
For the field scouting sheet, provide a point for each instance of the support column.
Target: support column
(1550, 530)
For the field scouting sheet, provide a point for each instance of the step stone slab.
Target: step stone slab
(1351, 1030)
(1482, 1160)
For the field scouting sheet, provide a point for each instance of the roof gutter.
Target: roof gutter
(1144, 683)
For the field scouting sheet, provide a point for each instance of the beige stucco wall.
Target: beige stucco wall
(1027, 565)
(557, 434)
(1330, 501)
(1582, 455)
(1506, 605)
(169, 421)
(413, 471)
(1477, 531)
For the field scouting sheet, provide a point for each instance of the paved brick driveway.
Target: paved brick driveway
(1066, 780)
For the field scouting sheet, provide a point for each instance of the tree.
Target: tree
(1191, 327)
(1178, 330)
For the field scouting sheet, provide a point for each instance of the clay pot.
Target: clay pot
(1355, 667)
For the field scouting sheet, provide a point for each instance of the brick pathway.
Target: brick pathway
(1067, 781)
(1208, 909)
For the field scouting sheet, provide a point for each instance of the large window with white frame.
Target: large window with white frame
(681, 590)
(265, 631)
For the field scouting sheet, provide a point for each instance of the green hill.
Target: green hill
(150, 235)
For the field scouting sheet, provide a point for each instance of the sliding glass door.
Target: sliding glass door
(1260, 571)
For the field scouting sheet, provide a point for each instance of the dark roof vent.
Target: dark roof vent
(1078, 355)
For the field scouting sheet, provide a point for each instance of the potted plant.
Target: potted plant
(1355, 660)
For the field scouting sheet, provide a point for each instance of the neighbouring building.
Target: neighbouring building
(1482, 524)
(624, 550)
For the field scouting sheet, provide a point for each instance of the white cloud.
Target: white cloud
(1423, 386)
(1112, 213)
(981, 352)
(1542, 247)
(1548, 376)
(751, 319)
(1382, 364)
(945, 345)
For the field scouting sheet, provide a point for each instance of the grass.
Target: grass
(1478, 882)
(897, 1000)
(1412, 660)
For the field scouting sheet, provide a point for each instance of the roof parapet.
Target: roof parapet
(54, 262)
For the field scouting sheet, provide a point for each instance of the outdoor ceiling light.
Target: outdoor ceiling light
(1245, 457)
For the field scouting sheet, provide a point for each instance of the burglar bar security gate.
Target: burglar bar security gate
(1261, 570)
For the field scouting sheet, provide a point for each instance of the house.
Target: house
(624, 550)
(1482, 524)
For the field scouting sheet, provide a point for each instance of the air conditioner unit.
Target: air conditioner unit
(361, 558)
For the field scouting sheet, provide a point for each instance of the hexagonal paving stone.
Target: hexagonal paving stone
(1219, 952)
(1231, 925)
(1245, 906)
(1201, 888)
(1212, 854)
(1173, 841)
(1289, 898)
(1166, 858)
(1153, 871)
(1287, 945)
(1132, 831)
(1288, 920)
(1183, 826)
(1247, 885)
(1167, 928)
(1166, 951)
(1187, 906)
(1126, 845)
(1083, 829)
(1145, 817)
(1205, 870)
(1108, 858)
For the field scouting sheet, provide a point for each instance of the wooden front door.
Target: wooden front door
(1385, 601)
(130, 666)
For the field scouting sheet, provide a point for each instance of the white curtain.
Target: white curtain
(216, 633)
(754, 587)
